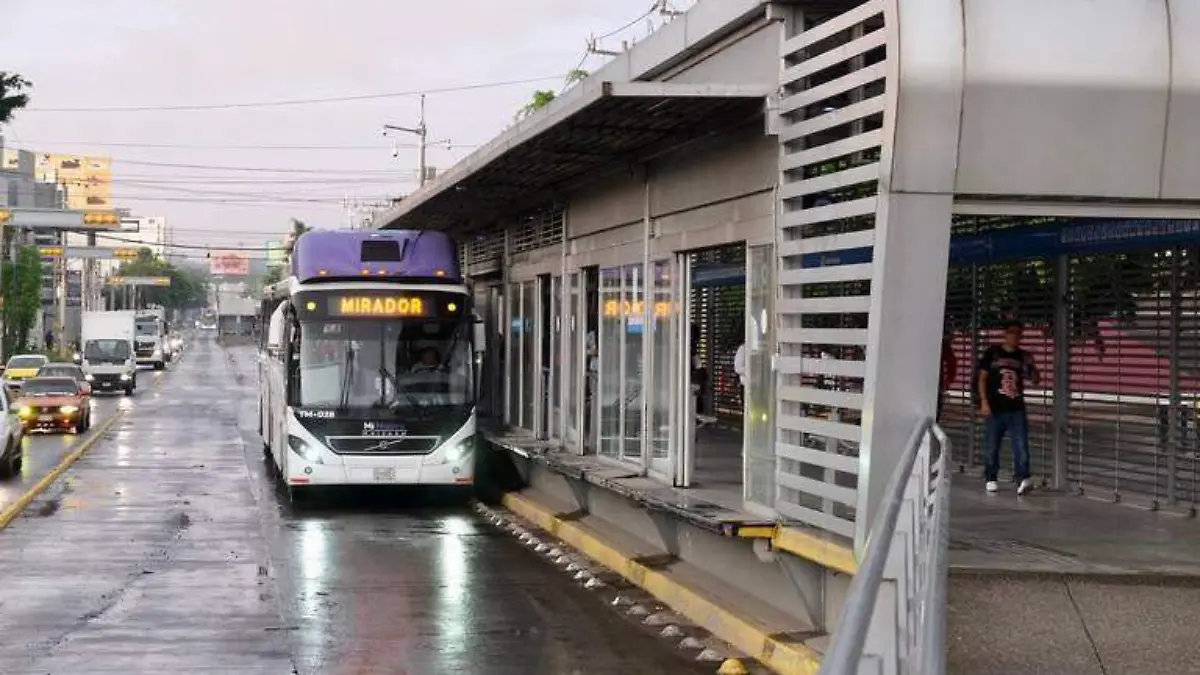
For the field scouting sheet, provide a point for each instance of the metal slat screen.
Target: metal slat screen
(979, 299)
(718, 312)
(831, 118)
(1120, 375)
(1126, 408)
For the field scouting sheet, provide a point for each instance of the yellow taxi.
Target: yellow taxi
(20, 368)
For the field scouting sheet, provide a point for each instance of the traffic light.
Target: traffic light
(101, 219)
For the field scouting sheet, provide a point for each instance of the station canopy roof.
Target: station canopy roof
(594, 129)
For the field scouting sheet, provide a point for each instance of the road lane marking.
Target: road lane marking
(81, 447)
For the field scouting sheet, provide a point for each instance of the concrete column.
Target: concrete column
(904, 335)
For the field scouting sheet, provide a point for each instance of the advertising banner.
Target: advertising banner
(229, 264)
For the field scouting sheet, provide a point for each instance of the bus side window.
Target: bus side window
(291, 359)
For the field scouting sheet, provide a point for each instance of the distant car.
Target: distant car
(68, 370)
(53, 404)
(11, 431)
(22, 367)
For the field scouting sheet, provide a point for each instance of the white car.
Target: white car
(11, 431)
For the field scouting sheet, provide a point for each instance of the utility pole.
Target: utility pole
(422, 134)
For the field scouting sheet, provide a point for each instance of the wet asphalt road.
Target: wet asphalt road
(43, 451)
(167, 548)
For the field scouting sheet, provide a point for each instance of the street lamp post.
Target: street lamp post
(422, 134)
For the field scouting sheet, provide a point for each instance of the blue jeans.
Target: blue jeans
(1015, 424)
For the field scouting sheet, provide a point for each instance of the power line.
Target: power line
(303, 101)
(192, 146)
(189, 247)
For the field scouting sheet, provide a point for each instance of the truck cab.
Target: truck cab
(107, 353)
(150, 338)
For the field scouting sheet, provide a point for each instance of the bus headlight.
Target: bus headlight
(304, 449)
(25, 412)
(457, 452)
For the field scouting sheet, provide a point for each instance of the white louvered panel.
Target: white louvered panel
(820, 427)
(858, 78)
(832, 27)
(824, 336)
(828, 243)
(834, 367)
(831, 181)
(799, 365)
(826, 397)
(821, 153)
(830, 168)
(865, 206)
(818, 488)
(855, 304)
(817, 519)
(835, 56)
(799, 453)
(833, 118)
(824, 275)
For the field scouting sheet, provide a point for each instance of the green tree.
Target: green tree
(543, 97)
(298, 228)
(13, 94)
(188, 289)
(21, 289)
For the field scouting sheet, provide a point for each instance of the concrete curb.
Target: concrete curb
(11, 513)
(784, 657)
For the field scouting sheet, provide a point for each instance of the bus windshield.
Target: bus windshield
(400, 365)
(147, 327)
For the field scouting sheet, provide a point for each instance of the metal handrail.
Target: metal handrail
(847, 650)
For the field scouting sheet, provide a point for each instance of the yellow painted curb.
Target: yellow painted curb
(785, 658)
(802, 544)
(9, 514)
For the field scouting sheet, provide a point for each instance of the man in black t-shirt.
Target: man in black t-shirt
(1001, 383)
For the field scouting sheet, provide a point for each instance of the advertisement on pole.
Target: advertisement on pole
(275, 253)
(229, 264)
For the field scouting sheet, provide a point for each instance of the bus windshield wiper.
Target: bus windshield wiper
(347, 377)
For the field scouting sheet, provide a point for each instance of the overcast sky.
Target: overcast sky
(88, 54)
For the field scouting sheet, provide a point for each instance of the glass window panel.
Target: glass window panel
(513, 357)
(662, 328)
(573, 331)
(528, 365)
(611, 334)
(760, 380)
(634, 308)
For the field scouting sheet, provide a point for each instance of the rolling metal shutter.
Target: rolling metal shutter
(1120, 376)
(979, 298)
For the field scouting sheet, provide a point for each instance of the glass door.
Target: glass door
(574, 361)
(664, 312)
(553, 355)
(686, 391)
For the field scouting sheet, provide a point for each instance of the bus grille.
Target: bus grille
(383, 445)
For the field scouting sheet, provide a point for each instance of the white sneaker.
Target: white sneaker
(1025, 486)
(992, 486)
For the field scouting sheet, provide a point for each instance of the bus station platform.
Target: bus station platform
(1058, 532)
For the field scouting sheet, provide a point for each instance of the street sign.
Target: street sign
(60, 219)
(137, 281)
(88, 252)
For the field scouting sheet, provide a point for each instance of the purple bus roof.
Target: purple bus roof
(330, 254)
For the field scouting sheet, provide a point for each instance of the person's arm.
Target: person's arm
(985, 365)
(1035, 375)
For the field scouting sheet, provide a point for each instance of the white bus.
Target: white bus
(369, 363)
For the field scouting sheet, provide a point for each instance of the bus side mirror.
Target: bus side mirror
(480, 337)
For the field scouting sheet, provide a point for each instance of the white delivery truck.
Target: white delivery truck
(107, 357)
(150, 340)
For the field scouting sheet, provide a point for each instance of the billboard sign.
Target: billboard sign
(229, 264)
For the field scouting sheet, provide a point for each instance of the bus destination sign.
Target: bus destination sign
(379, 306)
